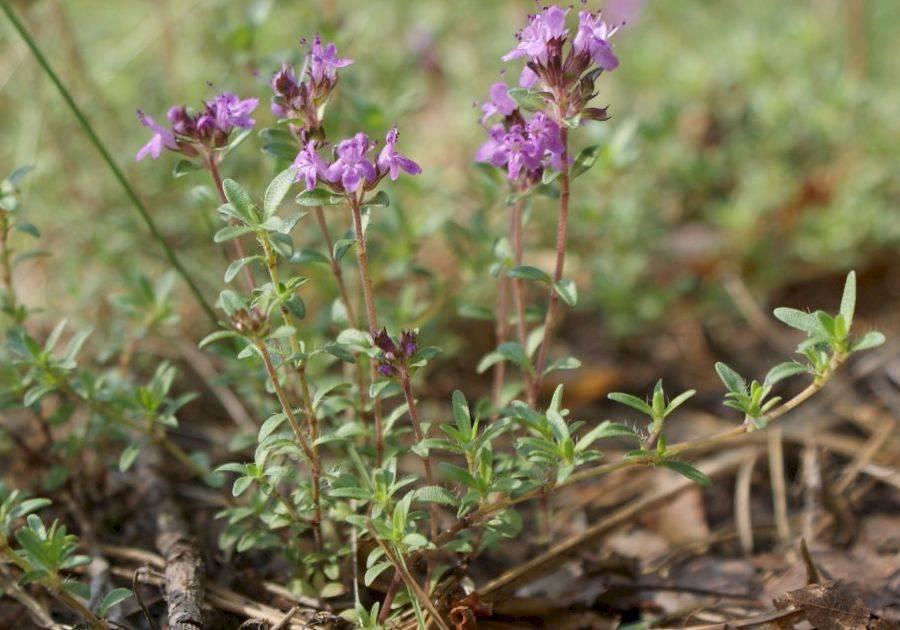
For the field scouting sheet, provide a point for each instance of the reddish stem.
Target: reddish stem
(561, 234)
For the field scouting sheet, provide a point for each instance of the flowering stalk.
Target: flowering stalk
(561, 234)
(362, 260)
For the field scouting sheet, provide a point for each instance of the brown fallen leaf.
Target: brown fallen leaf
(833, 605)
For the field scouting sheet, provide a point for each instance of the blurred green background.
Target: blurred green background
(748, 139)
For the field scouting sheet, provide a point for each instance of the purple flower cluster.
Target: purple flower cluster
(567, 73)
(352, 168)
(395, 354)
(207, 129)
(525, 148)
(302, 98)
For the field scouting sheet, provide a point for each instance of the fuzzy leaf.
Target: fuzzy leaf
(848, 299)
(732, 380)
(871, 339)
(783, 371)
(683, 468)
(277, 191)
(632, 401)
(113, 598)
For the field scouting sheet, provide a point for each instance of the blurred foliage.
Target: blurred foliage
(757, 136)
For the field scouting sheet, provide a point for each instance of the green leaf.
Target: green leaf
(342, 246)
(318, 197)
(184, 167)
(527, 272)
(113, 598)
(602, 431)
(732, 380)
(564, 363)
(28, 228)
(848, 299)
(783, 371)
(304, 255)
(801, 320)
(216, 336)
(339, 351)
(683, 468)
(461, 412)
(631, 401)
(277, 190)
(871, 339)
(231, 231)
(379, 200)
(528, 99)
(240, 485)
(512, 351)
(374, 571)
(567, 291)
(271, 425)
(679, 400)
(435, 494)
(126, 459)
(236, 266)
(585, 160)
(240, 201)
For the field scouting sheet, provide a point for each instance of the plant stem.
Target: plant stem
(417, 429)
(335, 265)
(282, 399)
(303, 385)
(388, 600)
(561, 235)
(515, 237)
(238, 245)
(6, 261)
(338, 274)
(107, 158)
(362, 259)
(500, 333)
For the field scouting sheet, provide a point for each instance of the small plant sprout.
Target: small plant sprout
(657, 410)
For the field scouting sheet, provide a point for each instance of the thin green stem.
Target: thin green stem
(107, 158)
(6, 263)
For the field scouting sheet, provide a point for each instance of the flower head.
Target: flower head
(389, 161)
(395, 355)
(500, 103)
(162, 137)
(352, 168)
(324, 62)
(541, 36)
(592, 37)
(229, 111)
(309, 165)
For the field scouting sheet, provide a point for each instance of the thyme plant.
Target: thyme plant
(349, 481)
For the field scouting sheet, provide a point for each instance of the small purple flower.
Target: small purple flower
(287, 90)
(516, 153)
(162, 137)
(389, 161)
(229, 111)
(546, 136)
(395, 355)
(500, 103)
(543, 28)
(352, 168)
(491, 145)
(309, 165)
(593, 35)
(528, 78)
(324, 62)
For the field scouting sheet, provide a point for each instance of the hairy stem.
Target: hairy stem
(561, 236)
(113, 167)
(6, 263)
(362, 259)
(282, 399)
(417, 430)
